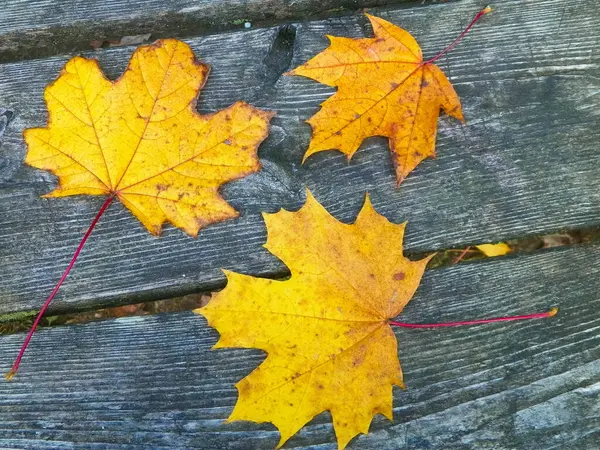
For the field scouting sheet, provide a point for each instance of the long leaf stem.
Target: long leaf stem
(17, 362)
(481, 13)
(543, 315)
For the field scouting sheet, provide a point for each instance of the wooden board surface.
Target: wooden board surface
(153, 381)
(527, 161)
(35, 28)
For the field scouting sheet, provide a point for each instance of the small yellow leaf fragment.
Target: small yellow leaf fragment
(493, 249)
(326, 329)
(140, 138)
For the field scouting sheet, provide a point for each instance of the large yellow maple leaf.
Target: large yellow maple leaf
(140, 138)
(384, 88)
(325, 330)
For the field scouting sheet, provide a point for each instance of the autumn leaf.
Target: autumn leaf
(140, 138)
(326, 331)
(384, 88)
(491, 250)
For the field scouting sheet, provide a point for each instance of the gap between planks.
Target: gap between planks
(169, 20)
(21, 321)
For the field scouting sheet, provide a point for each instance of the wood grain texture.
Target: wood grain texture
(526, 162)
(35, 28)
(153, 381)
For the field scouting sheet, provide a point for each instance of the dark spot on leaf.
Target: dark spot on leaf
(424, 83)
(399, 276)
(162, 187)
(227, 141)
(242, 388)
(418, 154)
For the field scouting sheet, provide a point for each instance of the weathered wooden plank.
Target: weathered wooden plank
(153, 381)
(526, 162)
(34, 28)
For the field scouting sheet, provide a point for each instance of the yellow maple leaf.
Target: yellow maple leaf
(140, 138)
(384, 88)
(325, 330)
(498, 249)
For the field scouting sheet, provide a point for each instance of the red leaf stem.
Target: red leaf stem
(15, 366)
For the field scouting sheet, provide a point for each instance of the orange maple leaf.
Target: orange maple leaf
(140, 138)
(330, 346)
(384, 89)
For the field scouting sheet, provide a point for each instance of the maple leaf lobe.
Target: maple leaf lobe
(383, 89)
(325, 329)
(140, 138)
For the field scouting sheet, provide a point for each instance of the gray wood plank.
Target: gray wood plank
(34, 28)
(153, 381)
(526, 162)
